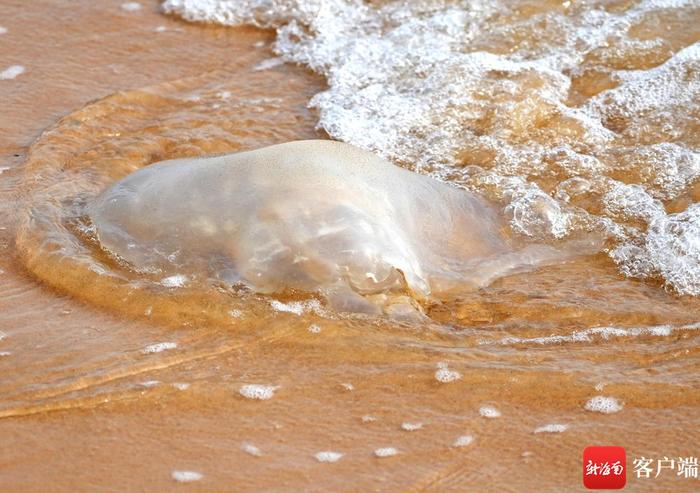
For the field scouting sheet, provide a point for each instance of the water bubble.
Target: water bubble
(602, 404)
(406, 426)
(445, 375)
(552, 428)
(159, 347)
(131, 6)
(489, 412)
(251, 449)
(260, 392)
(463, 441)
(11, 72)
(186, 476)
(176, 281)
(328, 456)
(385, 452)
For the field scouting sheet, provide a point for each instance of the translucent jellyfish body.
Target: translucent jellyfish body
(314, 216)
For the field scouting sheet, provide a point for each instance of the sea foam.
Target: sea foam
(477, 93)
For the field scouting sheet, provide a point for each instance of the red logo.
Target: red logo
(604, 468)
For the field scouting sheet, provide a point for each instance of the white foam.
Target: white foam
(552, 428)
(463, 441)
(3, 30)
(5, 353)
(159, 347)
(592, 334)
(489, 412)
(181, 385)
(385, 452)
(235, 313)
(407, 426)
(251, 449)
(176, 281)
(11, 72)
(328, 456)
(150, 383)
(131, 6)
(186, 476)
(414, 82)
(368, 419)
(445, 375)
(296, 307)
(259, 392)
(347, 386)
(268, 64)
(314, 329)
(2, 335)
(602, 404)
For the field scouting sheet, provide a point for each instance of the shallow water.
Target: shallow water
(160, 376)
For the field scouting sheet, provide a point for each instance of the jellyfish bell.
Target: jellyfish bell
(314, 216)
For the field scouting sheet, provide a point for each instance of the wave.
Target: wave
(572, 117)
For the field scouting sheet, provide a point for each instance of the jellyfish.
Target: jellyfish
(312, 216)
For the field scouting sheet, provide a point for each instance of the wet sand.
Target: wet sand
(80, 409)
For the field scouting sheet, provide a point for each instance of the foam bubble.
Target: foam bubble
(463, 441)
(3, 30)
(5, 353)
(328, 456)
(602, 404)
(445, 375)
(314, 329)
(260, 392)
(295, 307)
(251, 449)
(489, 412)
(673, 243)
(186, 476)
(552, 428)
(181, 385)
(176, 281)
(268, 64)
(592, 334)
(347, 386)
(131, 6)
(159, 347)
(11, 72)
(385, 452)
(368, 419)
(407, 426)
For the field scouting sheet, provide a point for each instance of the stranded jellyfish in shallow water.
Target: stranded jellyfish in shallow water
(315, 216)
